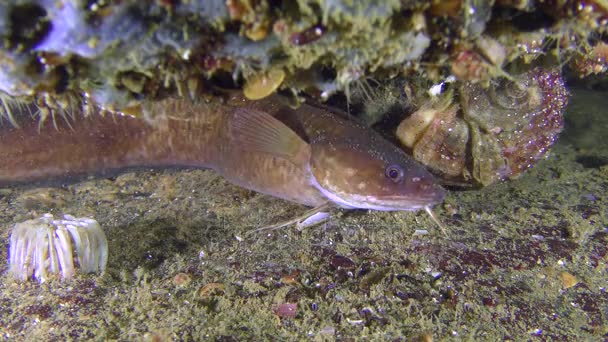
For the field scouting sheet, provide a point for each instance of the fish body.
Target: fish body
(308, 155)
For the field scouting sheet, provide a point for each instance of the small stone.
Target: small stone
(287, 310)
(568, 280)
(211, 289)
(182, 279)
(339, 262)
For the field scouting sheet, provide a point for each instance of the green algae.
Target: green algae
(363, 275)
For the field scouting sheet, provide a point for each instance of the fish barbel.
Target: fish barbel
(308, 155)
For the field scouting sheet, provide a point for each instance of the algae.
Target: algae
(499, 274)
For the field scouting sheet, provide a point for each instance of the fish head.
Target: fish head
(372, 174)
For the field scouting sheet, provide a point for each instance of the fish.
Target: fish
(309, 155)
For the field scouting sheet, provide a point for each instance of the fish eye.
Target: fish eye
(394, 173)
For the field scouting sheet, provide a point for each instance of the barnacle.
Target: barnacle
(45, 247)
(497, 133)
(437, 138)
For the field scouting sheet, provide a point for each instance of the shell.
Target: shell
(263, 84)
(498, 133)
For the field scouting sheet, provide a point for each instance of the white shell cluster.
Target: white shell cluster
(45, 247)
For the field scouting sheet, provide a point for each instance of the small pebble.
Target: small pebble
(339, 262)
(182, 279)
(211, 289)
(568, 280)
(286, 310)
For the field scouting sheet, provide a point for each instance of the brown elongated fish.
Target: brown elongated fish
(307, 155)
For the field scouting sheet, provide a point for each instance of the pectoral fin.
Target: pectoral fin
(312, 217)
(257, 131)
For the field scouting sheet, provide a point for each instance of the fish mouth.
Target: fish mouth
(399, 202)
(437, 195)
(415, 201)
(388, 203)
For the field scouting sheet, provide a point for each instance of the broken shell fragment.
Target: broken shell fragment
(43, 247)
(499, 132)
(261, 85)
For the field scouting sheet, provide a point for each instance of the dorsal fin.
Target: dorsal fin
(257, 131)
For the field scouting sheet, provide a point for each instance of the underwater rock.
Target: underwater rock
(87, 32)
(497, 134)
(86, 47)
(45, 247)
(94, 44)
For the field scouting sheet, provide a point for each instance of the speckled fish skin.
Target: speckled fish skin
(307, 155)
